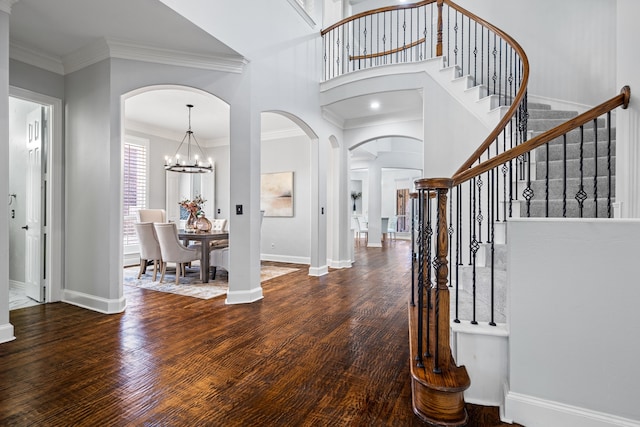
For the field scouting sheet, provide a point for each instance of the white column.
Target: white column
(6, 328)
(628, 121)
(375, 206)
(244, 228)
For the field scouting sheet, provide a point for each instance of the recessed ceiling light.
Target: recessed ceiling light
(374, 105)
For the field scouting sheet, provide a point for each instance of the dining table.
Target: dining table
(205, 238)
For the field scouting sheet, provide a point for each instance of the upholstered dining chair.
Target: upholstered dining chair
(363, 229)
(172, 250)
(219, 258)
(149, 248)
(219, 224)
(392, 227)
(152, 215)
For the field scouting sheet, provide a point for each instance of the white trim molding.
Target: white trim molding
(111, 48)
(244, 297)
(92, 302)
(530, 411)
(318, 271)
(6, 333)
(302, 12)
(5, 5)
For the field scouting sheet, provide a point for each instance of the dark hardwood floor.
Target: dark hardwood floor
(327, 351)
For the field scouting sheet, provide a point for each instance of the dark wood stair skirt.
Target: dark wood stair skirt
(437, 399)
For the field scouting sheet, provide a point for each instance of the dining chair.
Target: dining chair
(219, 258)
(392, 227)
(363, 229)
(149, 248)
(174, 251)
(219, 224)
(152, 215)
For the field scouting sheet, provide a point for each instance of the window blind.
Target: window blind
(135, 188)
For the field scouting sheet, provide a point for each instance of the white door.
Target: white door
(34, 276)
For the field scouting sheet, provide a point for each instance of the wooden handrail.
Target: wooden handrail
(516, 101)
(375, 11)
(620, 100)
(388, 52)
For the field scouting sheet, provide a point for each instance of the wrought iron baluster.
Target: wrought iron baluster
(564, 175)
(479, 217)
(581, 195)
(438, 266)
(458, 244)
(413, 250)
(609, 164)
(474, 246)
(421, 256)
(595, 168)
(455, 35)
(475, 54)
(546, 182)
(429, 283)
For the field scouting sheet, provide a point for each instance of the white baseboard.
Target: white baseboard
(340, 263)
(6, 333)
(318, 271)
(244, 297)
(92, 302)
(285, 258)
(532, 411)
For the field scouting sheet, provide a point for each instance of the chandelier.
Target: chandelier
(188, 165)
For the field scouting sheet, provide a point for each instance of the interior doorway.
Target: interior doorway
(35, 189)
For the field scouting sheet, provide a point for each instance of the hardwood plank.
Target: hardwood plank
(328, 350)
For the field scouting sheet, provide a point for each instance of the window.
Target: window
(134, 188)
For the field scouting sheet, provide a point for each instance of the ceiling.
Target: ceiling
(59, 29)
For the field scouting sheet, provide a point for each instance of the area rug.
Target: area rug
(191, 285)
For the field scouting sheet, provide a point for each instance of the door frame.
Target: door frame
(54, 198)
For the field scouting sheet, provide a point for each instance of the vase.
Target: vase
(203, 224)
(192, 222)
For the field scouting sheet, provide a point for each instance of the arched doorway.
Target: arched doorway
(155, 120)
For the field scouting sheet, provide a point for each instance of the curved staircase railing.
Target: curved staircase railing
(498, 175)
(492, 61)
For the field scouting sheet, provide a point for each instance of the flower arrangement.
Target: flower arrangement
(355, 196)
(193, 206)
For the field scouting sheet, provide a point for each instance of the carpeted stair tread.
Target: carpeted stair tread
(535, 113)
(556, 151)
(572, 168)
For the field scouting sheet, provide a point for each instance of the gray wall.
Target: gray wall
(290, 236)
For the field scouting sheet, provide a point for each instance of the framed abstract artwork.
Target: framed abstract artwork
(276, 194)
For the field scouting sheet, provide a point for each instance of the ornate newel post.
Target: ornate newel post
(437, 383)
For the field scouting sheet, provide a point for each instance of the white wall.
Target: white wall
(561, 40)
(572, 315)
(287, 239)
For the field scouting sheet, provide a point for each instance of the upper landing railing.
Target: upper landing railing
(437, 28)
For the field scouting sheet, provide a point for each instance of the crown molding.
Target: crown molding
(5, 5)
(35, 58)
(113, 48)
(110, 48)
(333, 118)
